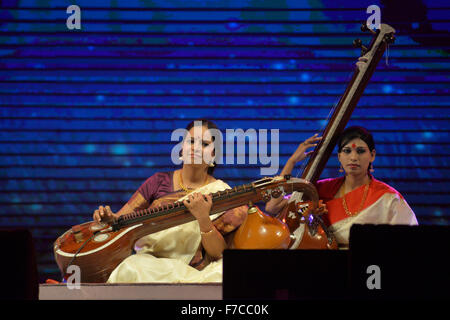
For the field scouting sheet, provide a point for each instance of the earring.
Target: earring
(371, 169)
(341, 169)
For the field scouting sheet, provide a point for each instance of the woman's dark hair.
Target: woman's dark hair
(356, 132)
(210, 125)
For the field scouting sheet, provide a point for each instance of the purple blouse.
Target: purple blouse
(157, 186)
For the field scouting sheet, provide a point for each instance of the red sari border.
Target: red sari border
(328, 188)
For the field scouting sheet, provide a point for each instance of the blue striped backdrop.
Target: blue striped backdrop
(86, 115)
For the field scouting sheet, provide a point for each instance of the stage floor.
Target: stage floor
(132, 291)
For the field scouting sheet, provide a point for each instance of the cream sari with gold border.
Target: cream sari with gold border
(164, 256)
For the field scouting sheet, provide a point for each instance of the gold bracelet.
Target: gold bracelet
(208, 232)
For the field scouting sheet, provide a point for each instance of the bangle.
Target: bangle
(208, 232)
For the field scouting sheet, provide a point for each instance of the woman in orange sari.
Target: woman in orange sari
(357, 197)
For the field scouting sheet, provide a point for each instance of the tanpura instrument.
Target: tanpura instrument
(98, 248)
(314, 230)
(307, 229)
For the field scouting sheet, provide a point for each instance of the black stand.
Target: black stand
(18, 267)
(384, 262)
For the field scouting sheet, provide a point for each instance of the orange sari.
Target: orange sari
(383, 205)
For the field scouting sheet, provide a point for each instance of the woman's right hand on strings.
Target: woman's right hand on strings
(301, 153)
(104, 214)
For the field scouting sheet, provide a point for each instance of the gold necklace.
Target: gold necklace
(344, 203)
(187, 189)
